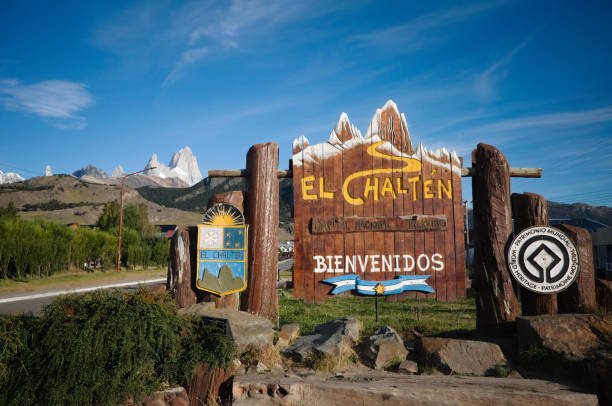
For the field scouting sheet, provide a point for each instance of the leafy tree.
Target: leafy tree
(109, 216)
(135, 216)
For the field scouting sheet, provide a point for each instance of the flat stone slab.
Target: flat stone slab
(382, 388)
(246, 327)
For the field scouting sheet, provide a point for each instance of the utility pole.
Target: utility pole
(121, 214)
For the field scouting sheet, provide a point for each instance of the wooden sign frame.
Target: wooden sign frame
(353, 179)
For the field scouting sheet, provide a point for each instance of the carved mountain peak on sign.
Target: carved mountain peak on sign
(387, 126)
(343, 131)
(391, 126)
(299, 144)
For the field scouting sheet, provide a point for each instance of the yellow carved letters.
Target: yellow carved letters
(427, 189)
(371, 188)
(388, 187)
(375, 187)
(414, 181)
(324, 194)
(442, 187)
(306, 187)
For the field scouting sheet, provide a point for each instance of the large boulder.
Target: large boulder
(383, 347)
(247, 329)
(575, 336)
(334, 339)
(582, 341)
(463, 357)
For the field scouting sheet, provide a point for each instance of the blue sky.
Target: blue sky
(111, 83)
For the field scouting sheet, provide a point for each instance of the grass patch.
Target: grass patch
(423, 315)
(319, 361)
(74, 279)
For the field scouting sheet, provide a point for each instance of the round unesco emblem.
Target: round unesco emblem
(543, 259)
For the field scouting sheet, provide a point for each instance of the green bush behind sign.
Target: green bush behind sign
(102, 348)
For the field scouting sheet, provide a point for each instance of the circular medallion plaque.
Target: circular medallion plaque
(543, 259)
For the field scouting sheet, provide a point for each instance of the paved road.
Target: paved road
(34, 302)
(285, 265)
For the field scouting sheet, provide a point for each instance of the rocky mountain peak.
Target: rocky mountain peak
(183, 165)
(118, 172)
(92, 171)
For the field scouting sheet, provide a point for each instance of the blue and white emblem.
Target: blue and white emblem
(401, 284)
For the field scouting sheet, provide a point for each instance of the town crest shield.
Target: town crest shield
(222, 251)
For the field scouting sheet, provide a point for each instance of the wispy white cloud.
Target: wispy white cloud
(418, 32)
(188, 57)
(561, 119)
(56, 100)
(184, 34)
(485, 83)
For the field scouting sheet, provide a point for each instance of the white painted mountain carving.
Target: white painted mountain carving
(396, 136)
(10, 177)
(183, 166)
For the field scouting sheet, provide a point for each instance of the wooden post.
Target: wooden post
(529, 209)
(206, 385)
(180, 276)
(260, 297)
(231, 301)
(496, 302)
(580, 296)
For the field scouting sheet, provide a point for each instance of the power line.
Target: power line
(18, 168)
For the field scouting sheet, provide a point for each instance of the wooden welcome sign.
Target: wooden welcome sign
(376, 208)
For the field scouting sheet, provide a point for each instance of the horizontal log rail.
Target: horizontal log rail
(282, 173)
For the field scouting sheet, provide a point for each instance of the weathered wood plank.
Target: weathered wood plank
(458, 239)
(300, 224)
(354, 224)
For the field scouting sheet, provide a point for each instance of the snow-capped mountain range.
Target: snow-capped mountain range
(183, 165)
(182, 171)
(10, 177)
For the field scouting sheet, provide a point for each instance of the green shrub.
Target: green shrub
(15, 338)
(103, 347)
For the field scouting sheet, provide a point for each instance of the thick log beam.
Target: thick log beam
(281, 173)
(231, 301)
(514, 172)
(261, 210)
(530, 209)
(180, 276)
(242, 173)
(580, 297)
(496, 302)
